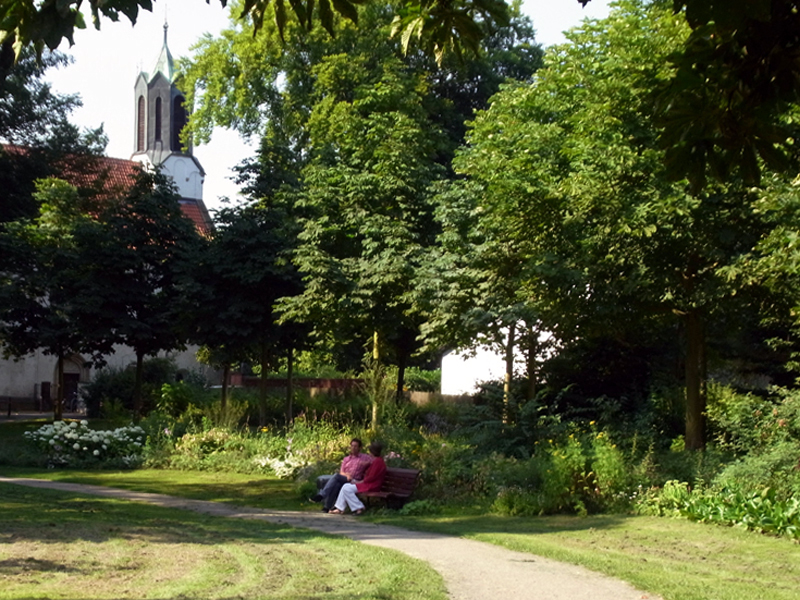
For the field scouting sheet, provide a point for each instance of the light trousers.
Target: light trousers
(347, 497)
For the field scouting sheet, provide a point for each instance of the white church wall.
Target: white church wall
(186, 176)
(20, 379)
(23, 378)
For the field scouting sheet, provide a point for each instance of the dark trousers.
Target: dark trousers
(331, 490)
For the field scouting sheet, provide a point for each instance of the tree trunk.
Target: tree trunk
(289, 386)
(226, 374)
(695, 393)
(58, 413)
(531, 364)
(376, 356)
(509, 377)
(262, 396)
(137, 387)
(401, 376)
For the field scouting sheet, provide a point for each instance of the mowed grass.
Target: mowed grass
(677, 559)
(257, 491)
(59, 545)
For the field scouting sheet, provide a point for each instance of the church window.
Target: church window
(178, 123)
(140, 125)
(158, 119)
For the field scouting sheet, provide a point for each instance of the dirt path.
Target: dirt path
(471, 570)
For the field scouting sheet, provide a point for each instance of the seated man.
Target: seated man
(353, 468)
(372, 482)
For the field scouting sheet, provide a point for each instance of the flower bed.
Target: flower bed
(70, 443)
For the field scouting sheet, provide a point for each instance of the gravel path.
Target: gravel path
(471, 570)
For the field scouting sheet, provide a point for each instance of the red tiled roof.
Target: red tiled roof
(193, 211)
(115, 176)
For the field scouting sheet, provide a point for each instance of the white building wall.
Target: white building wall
(464, 370)
(23, 378)
(186, 176)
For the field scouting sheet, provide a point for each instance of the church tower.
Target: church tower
(160, 116)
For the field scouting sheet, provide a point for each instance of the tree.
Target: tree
(139, 257)
(46, 298)
(369, 218)
(236, 281)
(35, 121)
(736, 74)
(471, 285)
(357, 132)
(574, 176)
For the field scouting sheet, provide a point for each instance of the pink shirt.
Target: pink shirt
(356, 466)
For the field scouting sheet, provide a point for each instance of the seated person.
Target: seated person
(353, 468)
(372, 482)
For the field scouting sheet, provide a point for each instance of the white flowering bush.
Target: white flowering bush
(69, 443)
(285, 468)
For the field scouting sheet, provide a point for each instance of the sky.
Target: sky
(107, 62)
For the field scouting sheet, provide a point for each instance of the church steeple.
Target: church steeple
(164, 64)
(160, 117)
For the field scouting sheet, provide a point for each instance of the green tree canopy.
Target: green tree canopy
(574, 175)
(34, 121)
(47, 299)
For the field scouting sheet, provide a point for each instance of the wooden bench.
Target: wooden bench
(398, 485)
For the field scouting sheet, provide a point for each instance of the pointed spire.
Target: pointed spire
(164, 64)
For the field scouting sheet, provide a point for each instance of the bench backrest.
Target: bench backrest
(400, 481)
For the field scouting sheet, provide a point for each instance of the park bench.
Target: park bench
(398, 485)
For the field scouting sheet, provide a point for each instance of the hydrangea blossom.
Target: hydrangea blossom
(67, 442)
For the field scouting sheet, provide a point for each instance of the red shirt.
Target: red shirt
(373, 479)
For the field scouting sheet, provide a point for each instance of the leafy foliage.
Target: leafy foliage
(444, 25)
(722, 110)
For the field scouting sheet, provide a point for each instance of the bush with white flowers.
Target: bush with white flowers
(72, 442)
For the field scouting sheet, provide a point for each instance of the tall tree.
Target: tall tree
(369, 216)
(139, 259)
(46, 296)
(361, 132)
(236, 282)
(573, 173)
(471, 285)
(34, 121)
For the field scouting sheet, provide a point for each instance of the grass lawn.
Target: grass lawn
(59, 545)
(677, 559)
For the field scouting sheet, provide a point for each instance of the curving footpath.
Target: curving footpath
(471, 570)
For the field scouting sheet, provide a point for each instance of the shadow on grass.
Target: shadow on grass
(376, 595)
(52, 516)
(256, 491)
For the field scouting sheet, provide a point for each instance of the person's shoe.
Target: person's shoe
(316, 498)
(325, 509)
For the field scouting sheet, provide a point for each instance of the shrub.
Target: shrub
(111, 385)
(285, 453)
(419, 507)
(758, 511)
(74, 444)
(776, 468)
(581, 471)
(419, 380)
